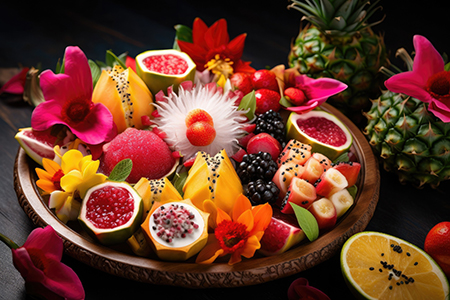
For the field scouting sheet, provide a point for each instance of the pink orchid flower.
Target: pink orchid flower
(69, 102)
(300, 289)
(428, 81)
(39, 263)
(314, 91)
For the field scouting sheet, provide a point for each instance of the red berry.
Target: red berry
(200, 133)
(265, 79)
(242, 82)
(198, 115)
(267, 100)
(295, 95)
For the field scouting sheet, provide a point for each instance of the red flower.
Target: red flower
(39, 263)
(212, 49)
(301, 290)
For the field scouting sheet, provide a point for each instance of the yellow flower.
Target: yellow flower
(237, 234)
(80, 175)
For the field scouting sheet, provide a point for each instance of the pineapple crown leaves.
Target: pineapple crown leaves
(337, 17)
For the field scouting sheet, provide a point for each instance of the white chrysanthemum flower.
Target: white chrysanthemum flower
(228, 120)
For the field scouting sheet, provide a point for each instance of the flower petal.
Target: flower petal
(76, 66)
(63, 281)
(97, 127)
(427, 60)
(221, 216)
(71, 160)
(47, 240)
(262, 216)
(23, 263)
(16, 84)
(54, 86)
(440, 110)
(199, 29)
(241, 205)
(300, 289)
(320, 89)
(210, 252)
(409, 83)
(250, 247)
(246, 218)
(236, 46)
(217, 34)
(46, 114)
(210, 207)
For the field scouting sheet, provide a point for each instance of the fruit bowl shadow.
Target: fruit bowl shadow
(119, 261)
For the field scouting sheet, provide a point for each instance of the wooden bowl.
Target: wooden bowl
(121, 262)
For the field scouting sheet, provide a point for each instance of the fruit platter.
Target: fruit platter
(179, 170)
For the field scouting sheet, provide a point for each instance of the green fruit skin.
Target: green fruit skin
(409, 140)
(160, 82)
(331, 153)
(352, 59)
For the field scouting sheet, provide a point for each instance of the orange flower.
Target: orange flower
(237, 234)
(50, 177)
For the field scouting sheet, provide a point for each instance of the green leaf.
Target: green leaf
(447, 67)
(343, 157)
(248, 102)
(178, 181)
(112, 59)
(121, 170)
(183, 33)
(353, 190)
(284, 102)
(307, 222)
(95, 71)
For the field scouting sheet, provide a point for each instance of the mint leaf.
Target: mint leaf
(307, 222)
(343, 157)
(284, 102)
(248, 102)
(121, 170)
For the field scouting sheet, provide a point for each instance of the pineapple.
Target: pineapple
(410, 140)
(338, 42)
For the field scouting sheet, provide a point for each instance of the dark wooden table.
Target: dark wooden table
(35, 34)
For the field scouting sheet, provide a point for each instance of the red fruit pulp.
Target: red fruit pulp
(110, 207)
(169, 64)
(323, 130)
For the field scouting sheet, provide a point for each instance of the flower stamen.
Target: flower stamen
(231, 235)
(220, 66)
(76, 110)
(438, 85)
(56, 179)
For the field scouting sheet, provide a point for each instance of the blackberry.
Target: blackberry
(260, 192)
(256, 166)
(272, 123)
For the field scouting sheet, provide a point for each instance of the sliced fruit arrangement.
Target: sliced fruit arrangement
(380, 266)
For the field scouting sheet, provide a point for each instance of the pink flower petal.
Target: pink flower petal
(62, 280)
(77, 67)
(46, 114)
(409, 83)
(47, 240)
(440, 110)
(97, 127)
(16, 84)
(427, 62)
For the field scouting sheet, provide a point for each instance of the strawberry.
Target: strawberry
(294, 95)
(200, 133)
(265, 79)
(267, 100)
(198, 115)
(242, 82)
(437, 245)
